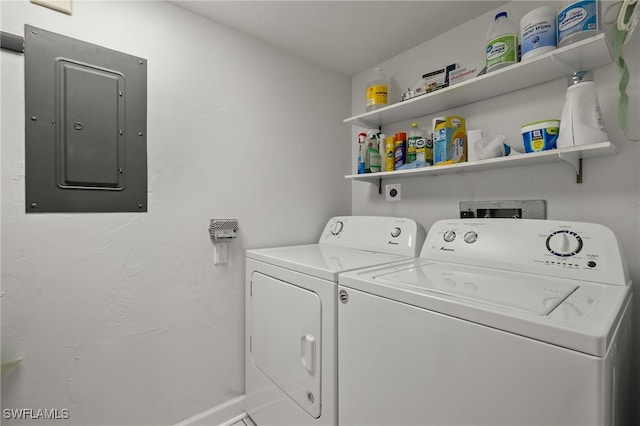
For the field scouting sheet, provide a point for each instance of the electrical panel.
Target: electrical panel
(85, 127)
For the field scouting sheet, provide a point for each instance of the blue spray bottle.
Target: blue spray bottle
(362, 139)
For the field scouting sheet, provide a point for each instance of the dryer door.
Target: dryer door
(285, 338)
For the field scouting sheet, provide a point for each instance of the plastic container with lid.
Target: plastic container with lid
(540, 135)
(502, 43)
(578, 20)
(538, 32)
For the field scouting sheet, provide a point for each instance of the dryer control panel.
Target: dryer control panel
(392, 235)
(576, 250)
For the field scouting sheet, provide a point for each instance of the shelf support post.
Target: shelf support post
(579, 172)
(576, 162)
(379, 186)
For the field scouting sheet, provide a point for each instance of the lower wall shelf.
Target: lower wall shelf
(572, 155)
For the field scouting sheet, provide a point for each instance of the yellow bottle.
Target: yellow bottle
(377, 90)
(389, 154)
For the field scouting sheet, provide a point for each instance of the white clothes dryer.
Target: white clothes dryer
(499, 322)
(291, 308)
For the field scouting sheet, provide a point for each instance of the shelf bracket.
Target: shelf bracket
(563, 65)
(379, 186)
(367, 124)
(576, 162)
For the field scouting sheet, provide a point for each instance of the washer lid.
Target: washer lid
(534, 295)
(321, 260)
(578, 315)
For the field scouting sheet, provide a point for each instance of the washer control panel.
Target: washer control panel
(576, 250)
(336, 227)
(392, 235)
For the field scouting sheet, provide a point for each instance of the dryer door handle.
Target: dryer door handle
(308, 353)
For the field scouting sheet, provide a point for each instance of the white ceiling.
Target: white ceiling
(345, 36)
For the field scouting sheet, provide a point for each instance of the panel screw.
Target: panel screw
(121, 132)
(310, 397)
(140, 205)
(34, 118)
(34, 205)
(120, 94)
(139, 133)
(141, 62)
(34, 32)
(120, 170)
(53, 121)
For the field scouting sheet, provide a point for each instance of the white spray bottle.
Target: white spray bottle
(581, 121)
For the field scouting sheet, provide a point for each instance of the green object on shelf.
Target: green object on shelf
(8, 366)
(618, 40)
(622, 29)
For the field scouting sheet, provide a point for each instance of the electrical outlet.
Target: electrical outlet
(63, 6)
(392, 192)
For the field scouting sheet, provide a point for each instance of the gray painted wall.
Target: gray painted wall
(124, 318)
(609, 194)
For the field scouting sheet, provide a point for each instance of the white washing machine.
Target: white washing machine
(499, 322)
(291, 307)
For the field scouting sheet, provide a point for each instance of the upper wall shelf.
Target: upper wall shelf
(583, 55)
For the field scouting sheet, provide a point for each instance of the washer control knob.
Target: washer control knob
(336, 228)
(564, 243)
(449, 236)
(396, 232)
(470, 237)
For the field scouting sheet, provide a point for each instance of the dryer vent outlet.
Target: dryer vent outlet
(515, 209)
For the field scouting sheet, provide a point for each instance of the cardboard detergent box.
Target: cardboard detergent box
(430, 81)
(438, 79)
(467, 72)
(449, 140)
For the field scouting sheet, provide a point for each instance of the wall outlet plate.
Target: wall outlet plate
(63, 6)
(393, 192)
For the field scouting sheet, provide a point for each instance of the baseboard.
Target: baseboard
(225, 414)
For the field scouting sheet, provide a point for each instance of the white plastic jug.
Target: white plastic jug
(377, 90)
(502, 43)
(581, 121)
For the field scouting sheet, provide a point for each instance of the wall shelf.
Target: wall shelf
(583, 55)
(572, 155)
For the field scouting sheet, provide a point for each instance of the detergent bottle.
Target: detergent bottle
(419, 141)
(377, 90)
(361, 166)
(372, 159)
(581, 120)
(502, 43)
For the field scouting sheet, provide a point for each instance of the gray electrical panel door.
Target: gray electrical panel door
(85, 127)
